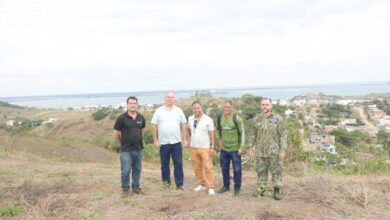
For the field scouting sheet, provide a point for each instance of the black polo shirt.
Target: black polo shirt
(131, 131)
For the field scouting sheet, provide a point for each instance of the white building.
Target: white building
(52, 120)
(307, 117)
(329, 148)
(299, 102)
(372, 107)
(288, 112)
(348, 121)
(10, 123)
(283, 102)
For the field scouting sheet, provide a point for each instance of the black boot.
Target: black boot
(224, 189)
(277, 195)
(236, 192)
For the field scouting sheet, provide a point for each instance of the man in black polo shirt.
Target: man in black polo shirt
(128, 130)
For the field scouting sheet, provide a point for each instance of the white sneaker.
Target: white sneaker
(211, 192)
(199, 188)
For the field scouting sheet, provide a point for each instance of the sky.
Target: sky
(50, 47)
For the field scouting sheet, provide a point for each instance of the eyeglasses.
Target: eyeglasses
(195, 123)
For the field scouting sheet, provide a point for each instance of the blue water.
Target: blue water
(113, 99)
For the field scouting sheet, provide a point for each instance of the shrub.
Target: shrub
(147, 137)
(376, 165)
(100, 114)
(49, 125)
(10, 210)
(150, 152)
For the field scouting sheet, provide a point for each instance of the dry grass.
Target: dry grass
(46, 190)
(70, 151)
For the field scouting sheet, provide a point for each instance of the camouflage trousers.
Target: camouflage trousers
(272, 164)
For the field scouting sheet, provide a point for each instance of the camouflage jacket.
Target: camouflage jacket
(269, 136)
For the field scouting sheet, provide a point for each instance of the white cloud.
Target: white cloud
(95, 45)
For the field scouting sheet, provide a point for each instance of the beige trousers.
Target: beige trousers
(202, 161)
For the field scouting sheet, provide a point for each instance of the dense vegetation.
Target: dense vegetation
(385, 106)
(335, 111)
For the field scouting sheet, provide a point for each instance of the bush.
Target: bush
(150, 152)
(348, 169)
(376, 165)
(49, 125)
(100, 114)
(350, 139)
(3, 126)
(147, 137)
(10, 210)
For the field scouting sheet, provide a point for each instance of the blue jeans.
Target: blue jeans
(225, 158)
(166, 151)
(131, 163)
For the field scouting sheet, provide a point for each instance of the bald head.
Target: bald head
(169, 99)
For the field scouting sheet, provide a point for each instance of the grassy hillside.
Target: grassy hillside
(68, 170)
(35, 188)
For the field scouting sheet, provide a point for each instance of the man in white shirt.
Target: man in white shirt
(201, 132)
(167, 122)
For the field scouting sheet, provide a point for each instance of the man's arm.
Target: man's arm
(189, 132)
(252, 135)
(212, 141)
(283, 139)
(217, 134)
(184, 134)
(252, 139)
(117, 136)
(241, 129)
(143, 126)
(154, 135)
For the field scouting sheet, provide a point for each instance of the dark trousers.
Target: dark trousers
(174, 150)
(225, 158)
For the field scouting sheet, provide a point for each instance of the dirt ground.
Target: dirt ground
(45, 189)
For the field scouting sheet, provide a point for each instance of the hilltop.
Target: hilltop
(62, 164)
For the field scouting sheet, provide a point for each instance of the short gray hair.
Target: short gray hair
(229, 101)
(270, 100)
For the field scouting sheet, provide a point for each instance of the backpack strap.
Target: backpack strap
(219, 128)
(236, 124)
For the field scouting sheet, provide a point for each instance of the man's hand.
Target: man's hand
(282, 156)
(239, 152)
(211, 151)
(251, 154)
(185, 143)
(157, 145)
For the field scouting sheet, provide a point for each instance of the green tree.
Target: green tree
(294, 151)
(384, 138)
(350, 139)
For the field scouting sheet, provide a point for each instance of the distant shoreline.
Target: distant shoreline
(154, 92)
(156, 97)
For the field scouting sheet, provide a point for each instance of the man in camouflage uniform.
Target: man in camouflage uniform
(269, 144)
